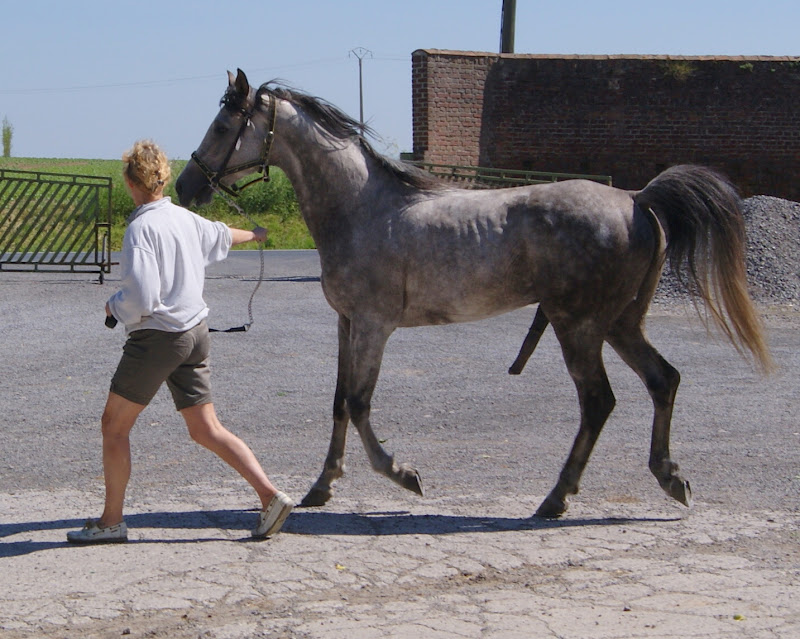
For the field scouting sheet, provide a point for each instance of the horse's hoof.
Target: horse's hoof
(680, 490)
(551, 508)
(316, 497)
(410, 480)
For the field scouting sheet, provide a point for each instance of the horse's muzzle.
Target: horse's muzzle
(192, 186)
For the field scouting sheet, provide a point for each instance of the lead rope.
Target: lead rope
(244, 327)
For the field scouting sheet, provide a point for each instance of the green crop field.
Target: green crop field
(271, 204)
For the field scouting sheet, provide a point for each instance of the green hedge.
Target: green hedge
(271, 204)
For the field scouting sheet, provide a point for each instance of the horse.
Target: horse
(401, 248)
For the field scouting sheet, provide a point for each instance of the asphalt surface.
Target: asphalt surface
(466, 560)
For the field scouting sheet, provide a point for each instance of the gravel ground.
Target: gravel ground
(773, 252)
(464, 561)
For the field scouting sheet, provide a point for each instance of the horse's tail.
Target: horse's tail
(700, 212)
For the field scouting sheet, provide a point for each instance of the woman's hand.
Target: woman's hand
(260, 234)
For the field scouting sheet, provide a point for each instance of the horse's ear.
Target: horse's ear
(242, 85)
(231, 80)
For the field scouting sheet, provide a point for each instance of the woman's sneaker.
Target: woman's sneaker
(273, 516)
(92, 533)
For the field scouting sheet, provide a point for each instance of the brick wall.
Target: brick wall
(626, 116)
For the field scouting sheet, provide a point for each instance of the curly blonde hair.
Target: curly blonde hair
(146, 165)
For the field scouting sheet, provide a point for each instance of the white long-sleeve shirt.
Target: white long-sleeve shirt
(165, 251)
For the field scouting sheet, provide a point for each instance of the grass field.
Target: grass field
(272, 204)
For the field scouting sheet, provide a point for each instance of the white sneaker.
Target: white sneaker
(92, 533)
(273, 516)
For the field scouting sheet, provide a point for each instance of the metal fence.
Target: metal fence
(50, 221)
(478, 177)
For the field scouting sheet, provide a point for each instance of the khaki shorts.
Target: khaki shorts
(151, 357)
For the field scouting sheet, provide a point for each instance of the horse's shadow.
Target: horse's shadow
(303, 522)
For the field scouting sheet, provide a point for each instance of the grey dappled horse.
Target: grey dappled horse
(399, 248)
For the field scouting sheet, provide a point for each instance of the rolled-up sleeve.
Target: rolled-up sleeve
(140, 290)
(216, 240)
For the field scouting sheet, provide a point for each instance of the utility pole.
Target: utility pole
(360, 53)
(507, 30)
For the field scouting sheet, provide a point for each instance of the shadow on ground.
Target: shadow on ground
(301, 522)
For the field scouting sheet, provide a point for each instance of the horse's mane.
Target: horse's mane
(344, 127)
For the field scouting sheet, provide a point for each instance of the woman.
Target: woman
(160, 301)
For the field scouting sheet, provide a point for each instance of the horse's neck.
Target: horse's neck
(332, 178)
(328, 177)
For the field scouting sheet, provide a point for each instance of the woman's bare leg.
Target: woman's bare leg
(118, 419)
(206, 429)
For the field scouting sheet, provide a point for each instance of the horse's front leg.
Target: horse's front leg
(322, 490)
(367, 342)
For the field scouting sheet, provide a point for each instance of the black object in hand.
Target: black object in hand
(111, 321)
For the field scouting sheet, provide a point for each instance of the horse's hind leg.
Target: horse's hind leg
(661, 380)
(322, 490)
(582, 354)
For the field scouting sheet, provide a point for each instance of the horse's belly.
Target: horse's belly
(453, 311)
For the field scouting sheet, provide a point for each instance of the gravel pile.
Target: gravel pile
(773, 253)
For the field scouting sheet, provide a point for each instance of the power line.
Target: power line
(156, 83)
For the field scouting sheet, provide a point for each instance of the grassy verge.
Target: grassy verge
(271, 204)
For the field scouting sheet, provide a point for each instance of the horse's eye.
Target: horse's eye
(220, 129)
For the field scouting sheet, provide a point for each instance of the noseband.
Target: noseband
(261, 164)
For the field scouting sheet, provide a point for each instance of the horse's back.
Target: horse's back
(564, 225)
(472, 254)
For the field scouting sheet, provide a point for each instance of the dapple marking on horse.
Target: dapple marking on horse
(399, 248)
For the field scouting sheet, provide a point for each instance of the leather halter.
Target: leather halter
(261, 164)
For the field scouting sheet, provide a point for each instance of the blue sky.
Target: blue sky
(85, 78)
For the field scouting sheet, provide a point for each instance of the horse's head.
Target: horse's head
(236, 144)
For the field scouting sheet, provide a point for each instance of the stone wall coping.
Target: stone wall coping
(552, 56)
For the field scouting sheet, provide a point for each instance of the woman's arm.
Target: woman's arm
(139, 291)
(238, 236)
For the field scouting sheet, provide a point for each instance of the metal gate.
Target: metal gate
(50, 221)
(479, 177)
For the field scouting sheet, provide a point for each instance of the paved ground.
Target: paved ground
(464, 561)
